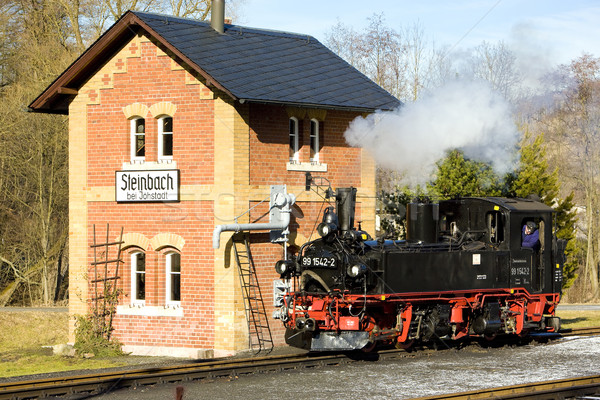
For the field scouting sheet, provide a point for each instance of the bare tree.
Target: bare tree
(415, 60)
(345, 42)
(496, 65)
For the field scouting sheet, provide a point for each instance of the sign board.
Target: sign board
(151, 186)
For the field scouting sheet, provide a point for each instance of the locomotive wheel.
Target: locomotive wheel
(369, 347)
(405, 345)
(490, 337)
(524, 333)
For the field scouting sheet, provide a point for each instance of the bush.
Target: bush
(91, 337)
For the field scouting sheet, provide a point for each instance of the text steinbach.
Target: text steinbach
(147, 182)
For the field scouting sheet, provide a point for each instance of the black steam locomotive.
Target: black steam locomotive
(461, 272)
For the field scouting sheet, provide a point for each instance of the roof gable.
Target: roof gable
(249, 65)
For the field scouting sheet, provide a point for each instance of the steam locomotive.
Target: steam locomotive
(461, 272)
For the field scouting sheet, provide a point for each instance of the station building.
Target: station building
(177, 126)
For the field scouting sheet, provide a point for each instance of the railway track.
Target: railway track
(587, 387)
(100, 382)
(581, 331)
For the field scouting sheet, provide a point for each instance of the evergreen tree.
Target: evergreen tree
(532, 177)
(566, 218)
(458, 176)
(392, 210)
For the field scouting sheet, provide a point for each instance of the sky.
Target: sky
(558, 30)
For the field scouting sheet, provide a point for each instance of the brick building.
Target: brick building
(176, 127)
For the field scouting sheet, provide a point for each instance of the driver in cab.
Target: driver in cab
(530, 236)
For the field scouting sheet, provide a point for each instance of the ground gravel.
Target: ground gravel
(425, 374)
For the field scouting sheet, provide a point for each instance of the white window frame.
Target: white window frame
(133, 140)
(161, 133)
(134, 274)
(294, 141)
(168, 274)
(315, 137)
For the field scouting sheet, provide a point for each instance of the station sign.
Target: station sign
(150, 186)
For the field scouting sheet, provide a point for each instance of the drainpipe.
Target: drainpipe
(281, 201)
(217, 15)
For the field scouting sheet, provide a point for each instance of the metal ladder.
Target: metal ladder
(259, 332)
(105, 288)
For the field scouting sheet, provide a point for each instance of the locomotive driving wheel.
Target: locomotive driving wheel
(369, 347)
(405, 345)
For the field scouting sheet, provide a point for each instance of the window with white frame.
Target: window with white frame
(173, 278)
(138, 277)
(138, 139)
(315, 141)
(165, 138)
(294, 141)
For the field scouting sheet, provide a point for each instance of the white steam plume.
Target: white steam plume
(464, 115)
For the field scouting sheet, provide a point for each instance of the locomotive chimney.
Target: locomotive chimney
(422, 222)
(345, 200)
(217, 15)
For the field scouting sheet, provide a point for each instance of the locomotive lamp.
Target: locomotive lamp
(356, 270)
(329, 224)
(325, 229)
(285, 267)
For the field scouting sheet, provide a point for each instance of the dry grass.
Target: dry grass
(578, 319)
(23, 336)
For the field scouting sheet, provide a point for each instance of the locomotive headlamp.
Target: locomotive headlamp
(325, 229)
(300, 323)
(285, 267)
(329, 224)
(356, 270)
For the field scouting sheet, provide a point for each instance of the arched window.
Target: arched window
(138, 277)
(294, 141)
(138, 139)
(173, 278)
(165, 138)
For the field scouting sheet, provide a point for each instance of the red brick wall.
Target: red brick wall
(150, 80)
(193, 222)
(269, 148)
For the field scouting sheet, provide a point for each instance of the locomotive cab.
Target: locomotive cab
(496, 224)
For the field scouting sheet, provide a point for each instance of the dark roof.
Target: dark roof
(517, 204)
(248, 64)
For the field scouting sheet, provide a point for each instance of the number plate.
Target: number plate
(323, 262)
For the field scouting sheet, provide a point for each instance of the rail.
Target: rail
(573, 388)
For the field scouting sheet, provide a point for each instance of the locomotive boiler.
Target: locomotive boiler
(463, 271)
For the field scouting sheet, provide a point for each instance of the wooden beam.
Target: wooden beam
(66, 90)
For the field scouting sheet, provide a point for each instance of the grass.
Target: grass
(23, 336)
(578, 319)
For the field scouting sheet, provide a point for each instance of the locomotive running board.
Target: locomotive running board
(327, 341)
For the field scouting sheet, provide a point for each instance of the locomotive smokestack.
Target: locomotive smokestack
(422, 222)
(217, 15)
(345, 200)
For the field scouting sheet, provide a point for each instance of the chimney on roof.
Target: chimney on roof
(217, 15)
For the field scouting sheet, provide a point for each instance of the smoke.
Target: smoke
(535, 55)
(464, 115)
